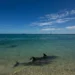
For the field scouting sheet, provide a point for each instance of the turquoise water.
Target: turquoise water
(20, 47)
(14, 46)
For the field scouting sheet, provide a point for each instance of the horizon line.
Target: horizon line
(37, 33)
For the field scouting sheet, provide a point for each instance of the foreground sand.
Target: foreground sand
(57, 67)
(54, 68)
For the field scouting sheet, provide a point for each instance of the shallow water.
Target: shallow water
(20, 47)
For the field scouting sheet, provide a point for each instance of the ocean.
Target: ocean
(20, 47)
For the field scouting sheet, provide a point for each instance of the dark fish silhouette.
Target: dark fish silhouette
(38, 60)
(16, 64)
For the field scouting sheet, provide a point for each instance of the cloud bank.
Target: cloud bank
(49, 22)
(70, 27)
(56, 18)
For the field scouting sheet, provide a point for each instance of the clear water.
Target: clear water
(20, 47)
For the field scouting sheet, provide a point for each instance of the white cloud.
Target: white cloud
(59, 15)
(45, 23)
(70, 27)
(57, 21)
(41, 23)
(61, 20)
(52, 16)
(55, 29)
(72, 12)
(50, 29)
(56, 18)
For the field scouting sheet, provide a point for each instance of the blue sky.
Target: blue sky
(37, 16)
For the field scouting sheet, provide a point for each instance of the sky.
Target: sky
(37, 16)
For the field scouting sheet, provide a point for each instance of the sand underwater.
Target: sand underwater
(20, 47)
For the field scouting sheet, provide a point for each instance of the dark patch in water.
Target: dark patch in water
(12, 46)
(4, 42)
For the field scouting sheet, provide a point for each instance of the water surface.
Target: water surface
(20, 47)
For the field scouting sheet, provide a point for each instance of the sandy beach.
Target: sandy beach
(57, 67)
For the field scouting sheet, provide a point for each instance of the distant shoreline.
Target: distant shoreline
(33, 34)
